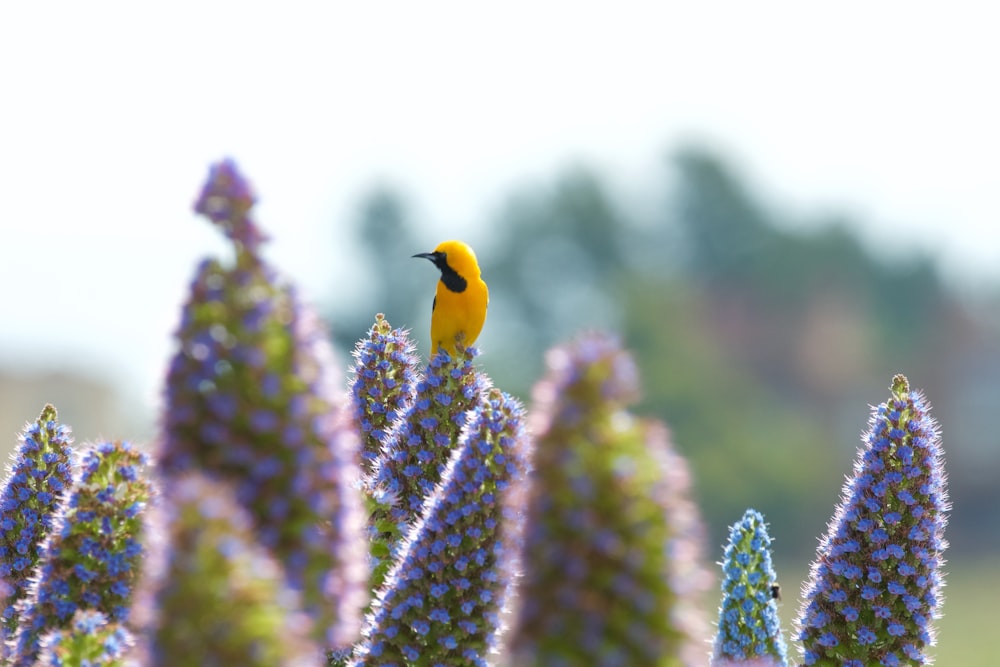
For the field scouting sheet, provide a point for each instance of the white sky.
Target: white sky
(111, 112)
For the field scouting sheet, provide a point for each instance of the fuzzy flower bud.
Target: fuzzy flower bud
(749, 627)
(40, 476)
(385, 370)
(253, 397)
(227, 199)
(92, 560)
(611, 563)
(418, 449)
(443, 601)
(875, 587)
(215, 593)
(90, 640)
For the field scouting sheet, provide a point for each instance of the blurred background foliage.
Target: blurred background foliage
(762, 340)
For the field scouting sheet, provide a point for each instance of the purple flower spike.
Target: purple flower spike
(612, 571)
(385, 371)
(444, 599)
(749, 630)
(418, 449)
(92, 560)
(40, 477)
(212, 594)
(253, 396)
(875, 586)
(227, 199)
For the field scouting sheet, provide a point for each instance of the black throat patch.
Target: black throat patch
(449, 276)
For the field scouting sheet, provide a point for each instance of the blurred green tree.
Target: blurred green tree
(384, 232)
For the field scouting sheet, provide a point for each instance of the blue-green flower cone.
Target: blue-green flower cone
(253, 396)
(875, 587)
(749, 627)
(611, 564)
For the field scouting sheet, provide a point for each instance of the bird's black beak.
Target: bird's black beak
(437, 258)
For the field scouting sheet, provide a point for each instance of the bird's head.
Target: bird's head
(454, 256)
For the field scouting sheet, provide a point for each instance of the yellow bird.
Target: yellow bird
(461, 298)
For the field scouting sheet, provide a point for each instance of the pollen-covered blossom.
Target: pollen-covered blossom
(254, 397)
(213, 591)
(39, 477)
(749, 627)
(93, 559)
(443, 601)
(90, 640)
(611, 562)
(383, 386)
(418, 448)
(875, 587)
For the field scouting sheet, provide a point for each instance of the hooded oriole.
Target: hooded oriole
(461, 298)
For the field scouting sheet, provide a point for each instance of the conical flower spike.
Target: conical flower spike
(215, 593)
(418, 449)
(749, 627)
(92, 561)
(875, 587)
(385, 370)
(442, 602)
(253, 397)
(39, 478)
(611, 542)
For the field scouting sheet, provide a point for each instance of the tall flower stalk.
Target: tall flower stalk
(611, 543)
(383, 386)
(253, 396)
(749, 627)
(875, 587)
(443, 600)
(40, 476)
(417, 450)
(93, 559)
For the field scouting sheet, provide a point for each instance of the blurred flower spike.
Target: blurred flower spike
(254, 397)
(227, 199)
(612, 541)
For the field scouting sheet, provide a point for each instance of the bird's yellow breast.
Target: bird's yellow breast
(458, 313)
